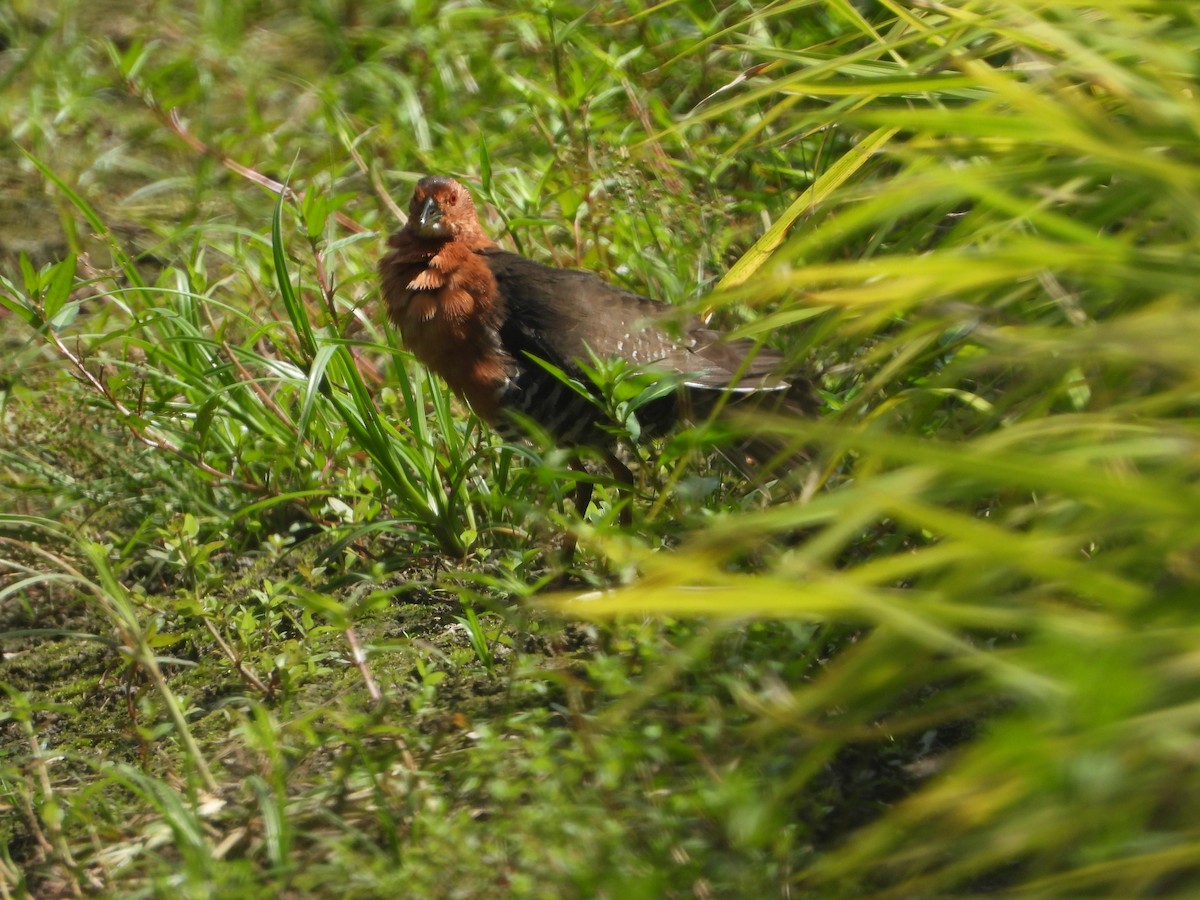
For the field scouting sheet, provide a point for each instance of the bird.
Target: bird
(495, 325)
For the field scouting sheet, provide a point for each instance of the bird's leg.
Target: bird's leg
(624, 479)
(583, 496)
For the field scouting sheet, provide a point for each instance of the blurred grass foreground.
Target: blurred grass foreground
(274, 617)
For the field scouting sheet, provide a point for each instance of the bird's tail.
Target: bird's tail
(761, 454)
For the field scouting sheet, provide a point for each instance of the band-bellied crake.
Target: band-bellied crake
(481, 317)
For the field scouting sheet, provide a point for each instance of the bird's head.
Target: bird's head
(442, 210)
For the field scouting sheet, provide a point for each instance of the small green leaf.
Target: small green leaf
(33, 284)
(65, 316)
(59, 282)
(322, 604)
(315, 209)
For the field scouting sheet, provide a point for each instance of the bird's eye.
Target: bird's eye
(451, 199)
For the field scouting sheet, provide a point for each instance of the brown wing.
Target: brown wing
(559, 314)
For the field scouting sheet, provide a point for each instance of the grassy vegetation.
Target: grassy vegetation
(276, 615)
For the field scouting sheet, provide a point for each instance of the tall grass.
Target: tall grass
(952, 654)
(1011, 457)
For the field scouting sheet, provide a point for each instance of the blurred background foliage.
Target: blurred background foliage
(267, 593)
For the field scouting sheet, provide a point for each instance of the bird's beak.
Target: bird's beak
(430, 223)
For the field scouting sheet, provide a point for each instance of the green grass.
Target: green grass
(276, 613)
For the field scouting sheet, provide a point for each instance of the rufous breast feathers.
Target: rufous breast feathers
(443, 299)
